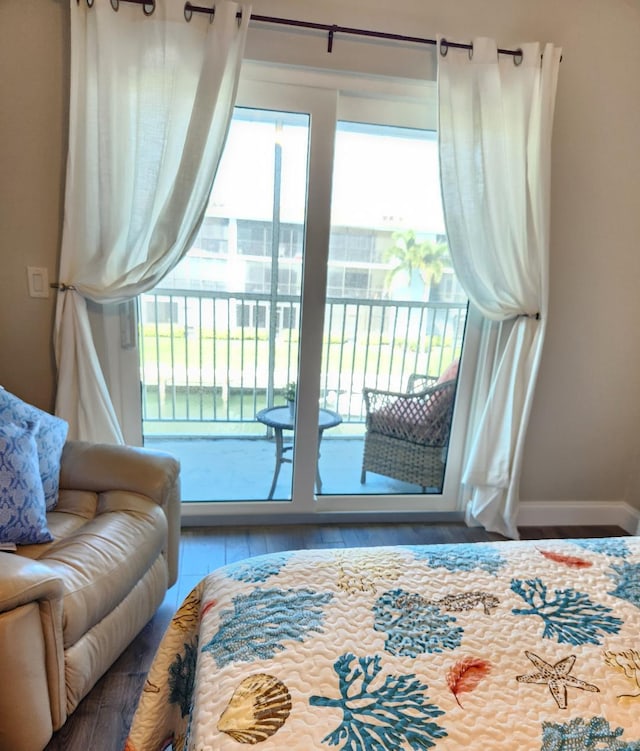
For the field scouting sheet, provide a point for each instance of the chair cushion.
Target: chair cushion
(450, 373)
(416, 418)
(22, 507)
(74, 509)
(50, 438)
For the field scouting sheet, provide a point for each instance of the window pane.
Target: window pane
(394, 309)
(220, 333)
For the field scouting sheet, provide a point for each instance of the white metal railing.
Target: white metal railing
(219, 357)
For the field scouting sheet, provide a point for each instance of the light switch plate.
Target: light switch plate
(38, 279)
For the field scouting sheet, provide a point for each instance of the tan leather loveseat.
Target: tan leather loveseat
(69, 608)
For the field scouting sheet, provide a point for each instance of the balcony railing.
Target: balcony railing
(211, 360)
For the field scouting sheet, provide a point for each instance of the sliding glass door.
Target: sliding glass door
(320, 273)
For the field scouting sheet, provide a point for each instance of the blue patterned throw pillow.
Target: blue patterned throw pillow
(23, 516)
(50, 438)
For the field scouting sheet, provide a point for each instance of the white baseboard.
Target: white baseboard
(531, 514)
(588, 513)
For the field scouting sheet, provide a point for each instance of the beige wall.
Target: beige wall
(33, 123)
(584, 437)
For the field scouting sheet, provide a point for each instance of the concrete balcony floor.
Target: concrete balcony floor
(240, 469)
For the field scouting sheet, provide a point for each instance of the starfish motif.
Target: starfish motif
(557, 677)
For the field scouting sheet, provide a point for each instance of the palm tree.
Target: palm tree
(427, 258)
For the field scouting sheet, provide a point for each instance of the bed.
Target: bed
(489, 646)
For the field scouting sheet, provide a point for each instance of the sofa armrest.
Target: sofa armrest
(99, 467)
(24, 581)
(31, 652)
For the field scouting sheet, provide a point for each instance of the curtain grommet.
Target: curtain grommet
(189, 8)
(151, 4)
(518, 57)
(470, 51)
(115, 4)
(444, 47)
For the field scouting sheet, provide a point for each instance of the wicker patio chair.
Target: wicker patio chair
(407, 433)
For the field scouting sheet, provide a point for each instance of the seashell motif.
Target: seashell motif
(258, 708)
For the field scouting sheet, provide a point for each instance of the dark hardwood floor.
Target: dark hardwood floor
(102, 720)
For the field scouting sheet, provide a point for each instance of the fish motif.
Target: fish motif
(457, 603)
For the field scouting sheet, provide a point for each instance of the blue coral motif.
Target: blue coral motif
(614, 547)
(181, 678)
(578, 735)
(460, 557)
(627, 580)
(414, 625)
(262, 621)
(569, 616)
(380, 716)
(258, 569)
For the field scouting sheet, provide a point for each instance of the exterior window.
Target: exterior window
(260, 316)
(243, 315)
(356, 283)
(291, 240)
(353, 246)
(254, 238)
(213, 235)
(163, 311)
(288, 280)
(290, 318)
(258, 277)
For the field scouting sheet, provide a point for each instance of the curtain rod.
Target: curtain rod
(148, 7)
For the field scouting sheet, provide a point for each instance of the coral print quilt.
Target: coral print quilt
(498, 646)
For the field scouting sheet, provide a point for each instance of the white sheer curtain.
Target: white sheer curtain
(150, 105)
(496, 116)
